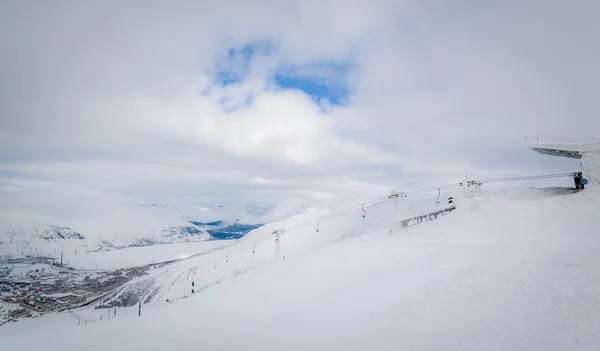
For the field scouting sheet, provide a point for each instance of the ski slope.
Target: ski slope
(254, 250)
(504, 273)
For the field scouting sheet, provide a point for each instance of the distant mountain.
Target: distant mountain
(45, 223)
(48, 223)
(170, 236)
(224, 214)
(233, 221)
(49, 240)
(224, 230)
(40, 240)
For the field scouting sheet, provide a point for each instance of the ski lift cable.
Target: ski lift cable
(316, 220)
(543, 176)
(355, 208)
(425, 190)
(405, 194)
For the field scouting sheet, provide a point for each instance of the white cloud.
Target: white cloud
(120, 96)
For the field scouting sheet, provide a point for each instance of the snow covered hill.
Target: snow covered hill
(40, 240)
(518, 272)
(49, 223)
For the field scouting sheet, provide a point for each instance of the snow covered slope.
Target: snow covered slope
(48, 223)
(518, 273)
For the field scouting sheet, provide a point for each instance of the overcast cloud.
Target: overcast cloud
(124, 95)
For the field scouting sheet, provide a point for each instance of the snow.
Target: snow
(499, 273)
(590, 164)
(105, 220)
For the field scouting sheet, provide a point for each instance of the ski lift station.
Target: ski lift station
(587, 153)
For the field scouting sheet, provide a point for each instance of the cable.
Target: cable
(397, 195)
(544, 176)
(315, 220)
(425, 190)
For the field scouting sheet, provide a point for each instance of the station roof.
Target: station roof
(571, 150)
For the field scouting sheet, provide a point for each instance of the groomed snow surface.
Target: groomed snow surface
(511, 273)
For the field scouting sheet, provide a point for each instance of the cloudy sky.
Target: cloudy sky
(267, 101)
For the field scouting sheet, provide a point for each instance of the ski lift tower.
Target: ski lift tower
(587, 153)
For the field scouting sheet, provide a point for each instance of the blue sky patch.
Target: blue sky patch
(321, 80)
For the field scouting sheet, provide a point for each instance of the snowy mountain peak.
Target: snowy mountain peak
(48, 223)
